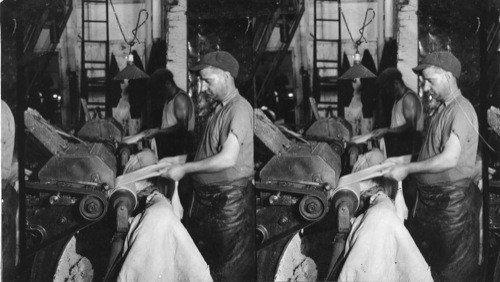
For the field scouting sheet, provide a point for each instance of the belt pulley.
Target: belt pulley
(58, 209)
(311, 207)
(290, 207)
(314, 203)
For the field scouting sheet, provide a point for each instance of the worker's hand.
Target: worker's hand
(392, 160)
(150, 133)
(397, 172)
(175, 172)
(379, 133)
(169, 161)
(400, 160)
(173, 160)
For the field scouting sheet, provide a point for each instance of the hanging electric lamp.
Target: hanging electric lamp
(358, 70)
(131, 71)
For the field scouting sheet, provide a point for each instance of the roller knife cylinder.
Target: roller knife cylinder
(125, 197)
(348, 196)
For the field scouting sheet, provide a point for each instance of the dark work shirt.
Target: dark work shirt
(457, 116)
(235, 116)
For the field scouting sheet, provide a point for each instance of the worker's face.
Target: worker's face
(213, 83)
(388, 89)
(169, 90)
(435, 83)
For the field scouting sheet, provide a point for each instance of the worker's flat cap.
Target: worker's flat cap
(442, 59)
(219, 59)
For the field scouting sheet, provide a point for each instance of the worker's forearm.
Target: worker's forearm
(181, 158)
(445, 160)
(212, 164)
(436, 164)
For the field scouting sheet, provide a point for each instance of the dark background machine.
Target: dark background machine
(296, 188)
(66, 194)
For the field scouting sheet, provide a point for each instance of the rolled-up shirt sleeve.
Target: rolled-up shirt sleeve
(460, 125)
(241, 122)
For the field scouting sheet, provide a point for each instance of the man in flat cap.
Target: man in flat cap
(407, 119)
(446, 214)
(222, 221)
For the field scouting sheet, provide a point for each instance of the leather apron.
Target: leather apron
(445, 226)
(222, 224)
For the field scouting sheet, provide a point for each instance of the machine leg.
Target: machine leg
(339, 241)
(122, 214)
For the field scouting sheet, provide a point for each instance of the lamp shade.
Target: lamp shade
(131, 72)
(357, 70)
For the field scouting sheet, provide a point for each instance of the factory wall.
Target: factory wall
(376, 33)
(69, 47)
(177, 43)
(381, 29)
(407, 36)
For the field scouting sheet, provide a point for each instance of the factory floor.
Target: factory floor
(88, 255)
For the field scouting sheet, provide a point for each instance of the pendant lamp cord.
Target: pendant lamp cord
(361, 30)
(134, 31)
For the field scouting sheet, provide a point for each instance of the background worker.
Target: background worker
(174, 136)
(403, 137)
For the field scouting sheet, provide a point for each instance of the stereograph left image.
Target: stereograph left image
(250, 140)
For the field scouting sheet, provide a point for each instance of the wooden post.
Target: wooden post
(177, 42)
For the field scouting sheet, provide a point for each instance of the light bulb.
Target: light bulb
(130, 59)
(357, 58)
